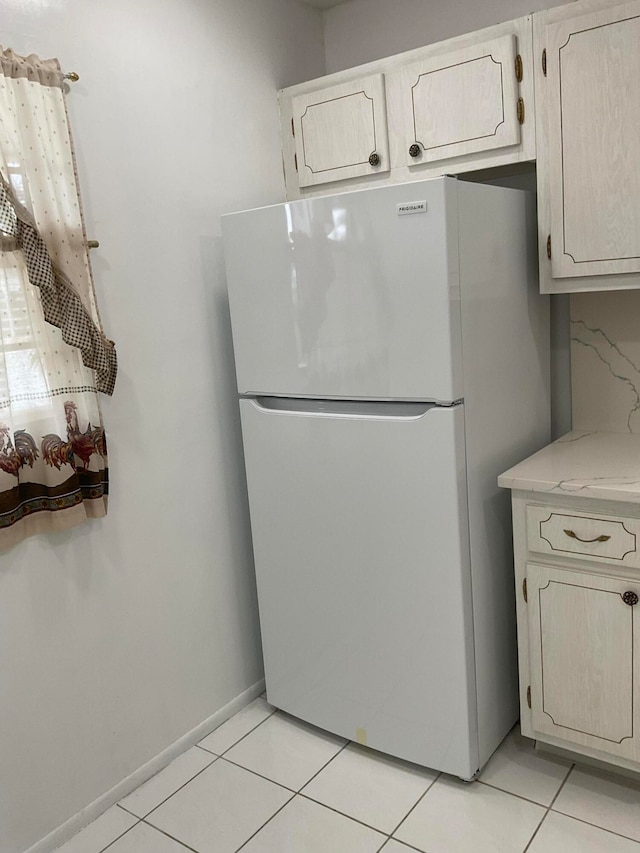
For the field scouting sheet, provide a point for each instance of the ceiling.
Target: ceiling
(323, 4)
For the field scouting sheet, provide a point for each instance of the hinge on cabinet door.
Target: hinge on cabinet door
(544, 61)
(549, 246)
(521, 110)
(524, 589)
(295, 160)
(293, 130)
(529, 695)
(519, 68)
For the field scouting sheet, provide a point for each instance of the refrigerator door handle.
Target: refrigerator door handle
(352, 409)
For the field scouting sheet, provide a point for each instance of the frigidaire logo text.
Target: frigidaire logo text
(412, 207)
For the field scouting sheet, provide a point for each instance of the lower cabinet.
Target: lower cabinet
(578, 612)
(584, 642)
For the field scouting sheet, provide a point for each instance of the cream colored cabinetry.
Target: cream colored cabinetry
(447, 108)
(578, 587)
(462, 102)
(341, 132)
(588, 120)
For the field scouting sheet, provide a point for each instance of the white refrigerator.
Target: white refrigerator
(392, 358)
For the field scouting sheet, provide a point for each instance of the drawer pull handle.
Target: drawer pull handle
(573, 535)
(630, 598)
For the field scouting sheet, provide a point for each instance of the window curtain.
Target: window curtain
(54, 356)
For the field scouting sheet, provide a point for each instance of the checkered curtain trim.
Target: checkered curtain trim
(62, 307)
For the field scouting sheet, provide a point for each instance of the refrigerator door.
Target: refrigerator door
(348, 296)
(358, 514)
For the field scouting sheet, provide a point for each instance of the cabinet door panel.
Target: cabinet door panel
(462, 102)
(584, 644)
(593, 65)
(338, 128)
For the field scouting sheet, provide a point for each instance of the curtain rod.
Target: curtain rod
(71, 76)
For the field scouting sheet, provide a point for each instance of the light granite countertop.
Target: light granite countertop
(602, 465)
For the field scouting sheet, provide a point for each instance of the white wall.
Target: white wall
(122, 635)
(363, 30)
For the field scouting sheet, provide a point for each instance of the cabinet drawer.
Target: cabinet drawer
(592, 536)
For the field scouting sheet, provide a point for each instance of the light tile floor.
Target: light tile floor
(264, 782)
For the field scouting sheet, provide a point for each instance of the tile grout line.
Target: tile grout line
(326, 764)
(128, 812)
(291, 799)
(512, 794)
(344, 814)
(146, 815)
(204, 749)
(259, 775)
(595, 826)
(414, 806)
(215, 757)
(403, 843)
(281, 784)
(235, 743)
(260, 828)
(301, 793)
(548, 809)
(122, 834)
(173, 838)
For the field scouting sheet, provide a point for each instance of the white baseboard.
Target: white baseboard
(84, 817)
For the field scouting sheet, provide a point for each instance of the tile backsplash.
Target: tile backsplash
(605, 361)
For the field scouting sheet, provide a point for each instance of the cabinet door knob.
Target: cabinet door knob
(630, 598)
(414, 150)
(374, 159)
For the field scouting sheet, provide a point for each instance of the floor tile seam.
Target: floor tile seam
(597, 826)
(545, 806)
(168, 835)
(405, 843)
(414, 806)
(102, 849)
(268, 820)
(124, 809)
(536, 830)
(281, 784)
(324, 766)
(302, 793)
(344, 814)
(235, 743)
(546, 814)
(216, 758)
(259, 775)
(209, 751)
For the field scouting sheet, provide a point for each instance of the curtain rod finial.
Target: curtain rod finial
(71, 76)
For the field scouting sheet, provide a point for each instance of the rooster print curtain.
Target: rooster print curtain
(54, 356)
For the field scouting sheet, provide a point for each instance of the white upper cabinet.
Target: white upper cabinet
(447, 108)
(462, 102)
(588, 101)
(341, 132)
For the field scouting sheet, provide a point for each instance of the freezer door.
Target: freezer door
(351, 296)
(359, 525)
